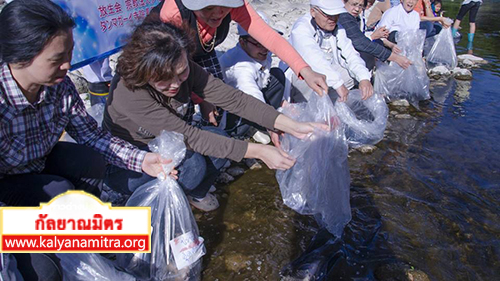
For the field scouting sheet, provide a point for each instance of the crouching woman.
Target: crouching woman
(151, 93)
(37, 102)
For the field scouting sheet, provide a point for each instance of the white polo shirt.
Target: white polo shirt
(397, 19)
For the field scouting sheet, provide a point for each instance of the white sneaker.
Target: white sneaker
(261, 137)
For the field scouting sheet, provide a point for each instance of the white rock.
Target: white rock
(462, 73)
(366, 149)
(472, 58)
(440, 71)
(402, 116)
(404, 103)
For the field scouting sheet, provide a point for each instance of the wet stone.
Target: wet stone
(253, 164)
(439, 72)
(402, 116)
(462, 74)
(470, 61)
(236, 262)
(400, 272)
(225, 178)
(404, 103)
(366, 149)
(235, 171)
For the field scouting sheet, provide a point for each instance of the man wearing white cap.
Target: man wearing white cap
(325, 46)
(247, 67)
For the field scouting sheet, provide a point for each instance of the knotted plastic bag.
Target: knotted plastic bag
(176, 247)
(443, 51)
(365, 120)
(318, 183)
(90, 267)
(412, 83)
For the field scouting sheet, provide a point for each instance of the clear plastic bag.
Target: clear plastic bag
(443, 51)
(365, 120)
(97, 112)
(412, 83)
(90, 267)
(173, 225)
(318, 183)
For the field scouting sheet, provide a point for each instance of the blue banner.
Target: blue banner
(103, 26)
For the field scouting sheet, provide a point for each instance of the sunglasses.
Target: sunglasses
(330, 17)
(256, 44)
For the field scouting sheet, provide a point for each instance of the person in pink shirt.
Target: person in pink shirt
(211, 18)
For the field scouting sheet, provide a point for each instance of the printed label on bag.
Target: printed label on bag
(187, 249)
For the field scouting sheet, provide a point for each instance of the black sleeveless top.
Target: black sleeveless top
(189, 17)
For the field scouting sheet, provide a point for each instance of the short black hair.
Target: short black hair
(27, 26)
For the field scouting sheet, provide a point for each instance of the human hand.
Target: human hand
(380, 32)
(396, 49)
(366, 89)
(153, 165)
(445, 22)
(427, 3)
(208, 112)
(275, 158)
(403, 61)
(342, 91)
(275, 137)
(314, 80)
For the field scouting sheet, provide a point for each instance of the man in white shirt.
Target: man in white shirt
(325, 46)
(247, 67)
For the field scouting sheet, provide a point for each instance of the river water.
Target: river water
(428, 199)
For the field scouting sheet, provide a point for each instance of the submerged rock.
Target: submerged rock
(225, 178)
(400, 272)
(235, 171)
(404, 103)
(462, 73)
(236, 262)
(366, 149)
(402, 116)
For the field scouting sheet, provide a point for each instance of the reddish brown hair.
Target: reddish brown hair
(153, 52)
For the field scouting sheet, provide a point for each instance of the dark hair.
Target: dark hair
(27, 26)
(153, 52)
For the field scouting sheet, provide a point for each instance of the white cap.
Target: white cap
(330, 7)
(243, 32)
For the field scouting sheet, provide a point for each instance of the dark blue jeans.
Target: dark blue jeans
(197, 173)
(431, 28)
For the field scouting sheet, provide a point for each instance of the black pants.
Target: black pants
(472, 8)
(68, 166)
(273, 95)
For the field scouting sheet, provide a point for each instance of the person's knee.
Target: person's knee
(39, 266)
(278, 74)
(192, 170)
(61, 161)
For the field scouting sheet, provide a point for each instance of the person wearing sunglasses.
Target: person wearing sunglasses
(247, 67)
(325, 46)
(367, 48)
